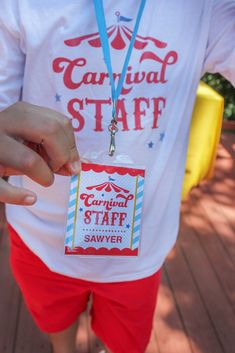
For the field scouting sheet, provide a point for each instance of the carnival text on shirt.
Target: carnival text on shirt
(75, 68)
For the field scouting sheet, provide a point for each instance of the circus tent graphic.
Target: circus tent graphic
(119, 36)
(108, 187)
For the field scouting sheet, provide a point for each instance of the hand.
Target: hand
(37, 142)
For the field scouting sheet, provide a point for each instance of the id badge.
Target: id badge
(104, 213)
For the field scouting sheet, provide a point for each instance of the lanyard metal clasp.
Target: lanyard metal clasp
(113, 129)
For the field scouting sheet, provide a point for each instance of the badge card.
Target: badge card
(104, 213)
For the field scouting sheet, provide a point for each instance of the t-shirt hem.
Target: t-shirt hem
(127, 278)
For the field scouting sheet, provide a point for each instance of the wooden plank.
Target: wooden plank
(29, 339)
(2, 215)
(228, 142)
(215, 301)
(218, 196)
(224, 165)
(209, 234)
(2, 222)
(168, 327)
(209, 192)
(9, 298)
(18, 333)
(224, 225)
(196, 322)
(220, 187)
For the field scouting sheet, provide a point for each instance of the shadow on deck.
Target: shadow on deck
(196, 305)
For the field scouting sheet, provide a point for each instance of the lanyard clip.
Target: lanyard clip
(113, 129)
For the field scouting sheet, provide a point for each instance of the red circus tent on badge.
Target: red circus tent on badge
(108, 187)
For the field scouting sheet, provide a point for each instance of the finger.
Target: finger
(7, 171)
(17, 156)
(47, 125)
(63, 171)
(74, 164)
(14, 195)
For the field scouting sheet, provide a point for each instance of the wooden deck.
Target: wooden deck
(196, 305)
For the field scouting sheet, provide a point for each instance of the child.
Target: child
(57, 53)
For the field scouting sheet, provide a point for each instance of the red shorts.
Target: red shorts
(121, 313)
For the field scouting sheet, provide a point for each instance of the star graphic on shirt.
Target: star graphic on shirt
(57, 97)
(150, 144)
(80, 209)
(128, 226)
(162, 136)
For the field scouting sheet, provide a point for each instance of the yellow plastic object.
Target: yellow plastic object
(204, 137)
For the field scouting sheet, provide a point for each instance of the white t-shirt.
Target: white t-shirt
(50, 56)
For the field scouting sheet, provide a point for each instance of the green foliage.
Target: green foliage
(222, 86)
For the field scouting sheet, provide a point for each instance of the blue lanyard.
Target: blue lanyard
(115, 92)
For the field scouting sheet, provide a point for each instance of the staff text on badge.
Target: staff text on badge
(104, 214)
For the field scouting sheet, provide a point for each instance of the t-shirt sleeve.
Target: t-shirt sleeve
(12, 57)
(220, 53)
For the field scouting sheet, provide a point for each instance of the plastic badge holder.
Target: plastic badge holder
(105, 207)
